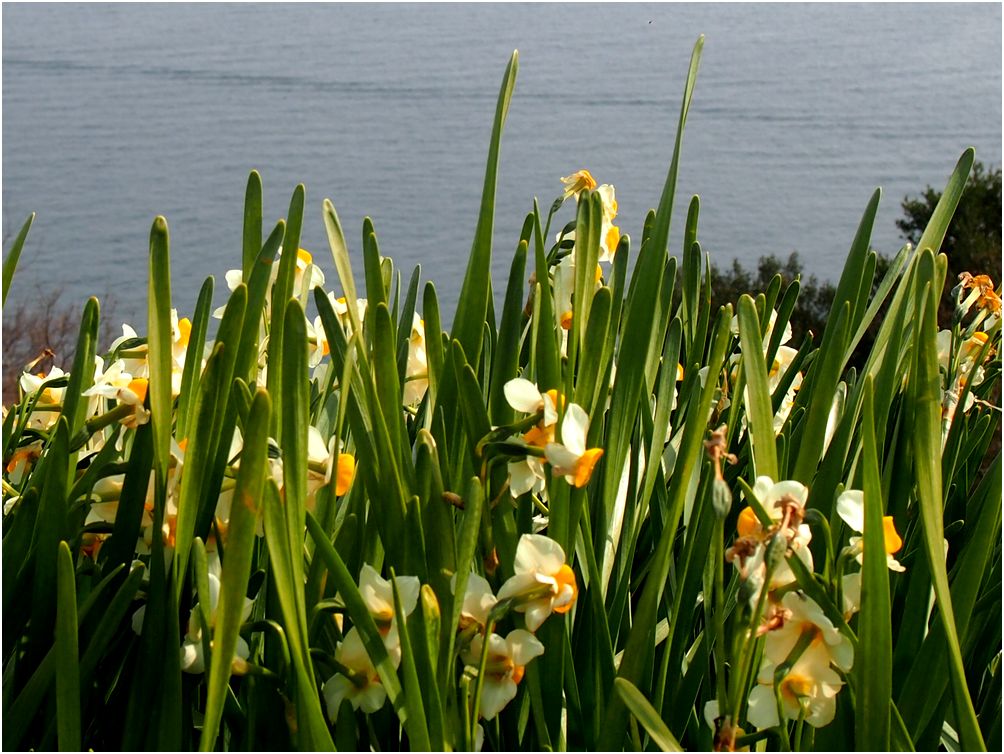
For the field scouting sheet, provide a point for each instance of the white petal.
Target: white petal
(521, 478)
(788, 488)
(376, 592)
(495, 695)
(523, 646)
(711, 713)
(561, 458)
(137, 620)
(851, 508)
(536, 613)
(408, 588)
(762, 711)
(191, 657)
(335, 690)
(214, 594)
(519, 584)
(352, 652)
(478, 599)
(317, 451)
(851, 588)
(761, 488)
(536, 553)
(574, 428)
(522, 395)
(371, 698)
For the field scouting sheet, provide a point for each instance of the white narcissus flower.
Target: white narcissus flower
(543, 583)
(527, 474)
(969, 349)
(45, 414)
(322, 464)
(378, 594)
(317, 343)
(803, 615)
(22, 460)
(571, 457)
(478, 600)
(850, 587)
(851, 508)
(341, 308)
(137, 365)
(564, 289)
(610, 234)
(524, 396)
(776, 498)
(124, 388)
(811, 679)
(416, 372)
(306, 275)
(577, 182)
(192, 659)
(364, 690)
(507, 660)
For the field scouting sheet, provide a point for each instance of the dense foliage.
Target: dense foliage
(616, 516)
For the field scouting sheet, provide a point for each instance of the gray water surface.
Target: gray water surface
(113, 114)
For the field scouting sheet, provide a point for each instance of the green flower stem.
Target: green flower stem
(97, 423)
(800, 725)
(480, 681)
(719, 597)
(780, 672)
(749, 643)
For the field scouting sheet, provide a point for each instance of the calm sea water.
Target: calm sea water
(113, 114)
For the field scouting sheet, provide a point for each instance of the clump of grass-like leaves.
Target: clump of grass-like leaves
(600, 520)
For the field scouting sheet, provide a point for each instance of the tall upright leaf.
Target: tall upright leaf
(472, 306)
(10, 263)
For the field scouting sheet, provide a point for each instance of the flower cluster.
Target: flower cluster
(963, 350)
(542, 584)
(570, 458)
(357, 680)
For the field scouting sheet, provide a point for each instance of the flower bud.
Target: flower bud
(721, 498)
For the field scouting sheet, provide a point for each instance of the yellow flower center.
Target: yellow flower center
(584, 466)
(517, 673)
(345, 472)
(748, 524)
(599, 274)
(566, 577)
(184, 331)
(557, 399)
(794, 687)
(613, 236)
(22, 454)
(566, 320)
(139, 386)
(991, 302)
(539, 436)
(893, 542)
(579, 181)
(679, 372)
